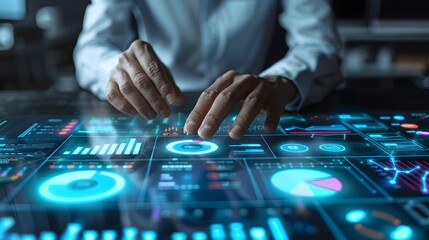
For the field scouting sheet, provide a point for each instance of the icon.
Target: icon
(307, 183)
(332, 147)
(294, 148)
(358, 217)
(409, 125)
(423, 133)
(191, 147)
(81, 186)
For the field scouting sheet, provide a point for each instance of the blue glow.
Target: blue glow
(5, 224)
(217, 232)
(178, 236)
(355, 216)
(402, 232)
(332, 147)
(81, 187)
(28, 237)
(424, 184)
(149, 235)
(109, 235)
(130, 233)
(48, 236)
(199, 236)
(191, 147)
(236, 231)
(294, 148)
(277, 229)
(90, 235)
(258, 233)
(399, 118)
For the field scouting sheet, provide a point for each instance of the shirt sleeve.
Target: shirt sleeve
(106, 33)
(313, 60)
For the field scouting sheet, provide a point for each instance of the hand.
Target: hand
(268, 95)
(141, 83)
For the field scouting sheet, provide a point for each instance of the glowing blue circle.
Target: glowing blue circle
(191, 147)
(402, 232)
(81, 187)
(355, 216)
(294, 148)
(332, 147)
(399, 118)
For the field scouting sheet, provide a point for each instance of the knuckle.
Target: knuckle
(213, 117)
(158, 105)
(164, 88)
(123, 58)
(226, 95)
(196, 113)
(111, 95)
(243, 119)
(142, 82)
(138, 44)
(154, 70)
(232, 72)
(126, 88)
(209, 93)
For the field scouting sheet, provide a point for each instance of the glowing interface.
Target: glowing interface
(317, 176)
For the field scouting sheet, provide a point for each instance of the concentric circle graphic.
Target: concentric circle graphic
(191, 147)
(81, 187)
(294, 148)
(332, 147)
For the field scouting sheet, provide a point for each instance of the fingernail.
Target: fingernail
(206, 131)
(165, 112)
(236, 132)
(170, 98)
(151, 115)
(191, 127)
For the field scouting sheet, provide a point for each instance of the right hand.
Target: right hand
(140, 83)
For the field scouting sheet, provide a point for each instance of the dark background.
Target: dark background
(386, 43)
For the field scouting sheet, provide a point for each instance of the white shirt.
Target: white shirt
(199, 40)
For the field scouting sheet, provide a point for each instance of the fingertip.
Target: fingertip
(236, 132)
(206, 131)
(190, 127)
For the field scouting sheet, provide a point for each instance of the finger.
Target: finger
(146, 87)
(273, 113)
(224, 102)
(180, 96)
(117, 100)
(153, 68)
(251, 108)
(133, 96)
(206, 100)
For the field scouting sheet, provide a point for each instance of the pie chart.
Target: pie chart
(306, 183)
(81, 187)
(191, 147)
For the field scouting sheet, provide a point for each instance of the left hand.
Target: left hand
(268, 95)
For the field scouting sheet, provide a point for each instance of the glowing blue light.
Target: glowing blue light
(332, 147)
(294, 148)
(355, 216)
(399, 118)
(402, 232)
(48, 236)
(109, 235)
(81, 187)
(258, 233)
(191, 147)
(178, 236)
(148, 235)
(199, 236)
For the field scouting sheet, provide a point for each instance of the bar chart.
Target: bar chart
(123, 146)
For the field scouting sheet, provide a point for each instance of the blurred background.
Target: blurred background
(386, 41)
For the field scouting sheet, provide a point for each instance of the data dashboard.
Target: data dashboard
(318, 176)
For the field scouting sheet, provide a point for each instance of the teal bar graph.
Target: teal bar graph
(122, 146)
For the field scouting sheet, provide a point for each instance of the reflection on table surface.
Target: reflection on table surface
(318, 176)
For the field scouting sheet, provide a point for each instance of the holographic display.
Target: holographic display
(317, 176)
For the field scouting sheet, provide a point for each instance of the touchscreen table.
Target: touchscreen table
(329, 176)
